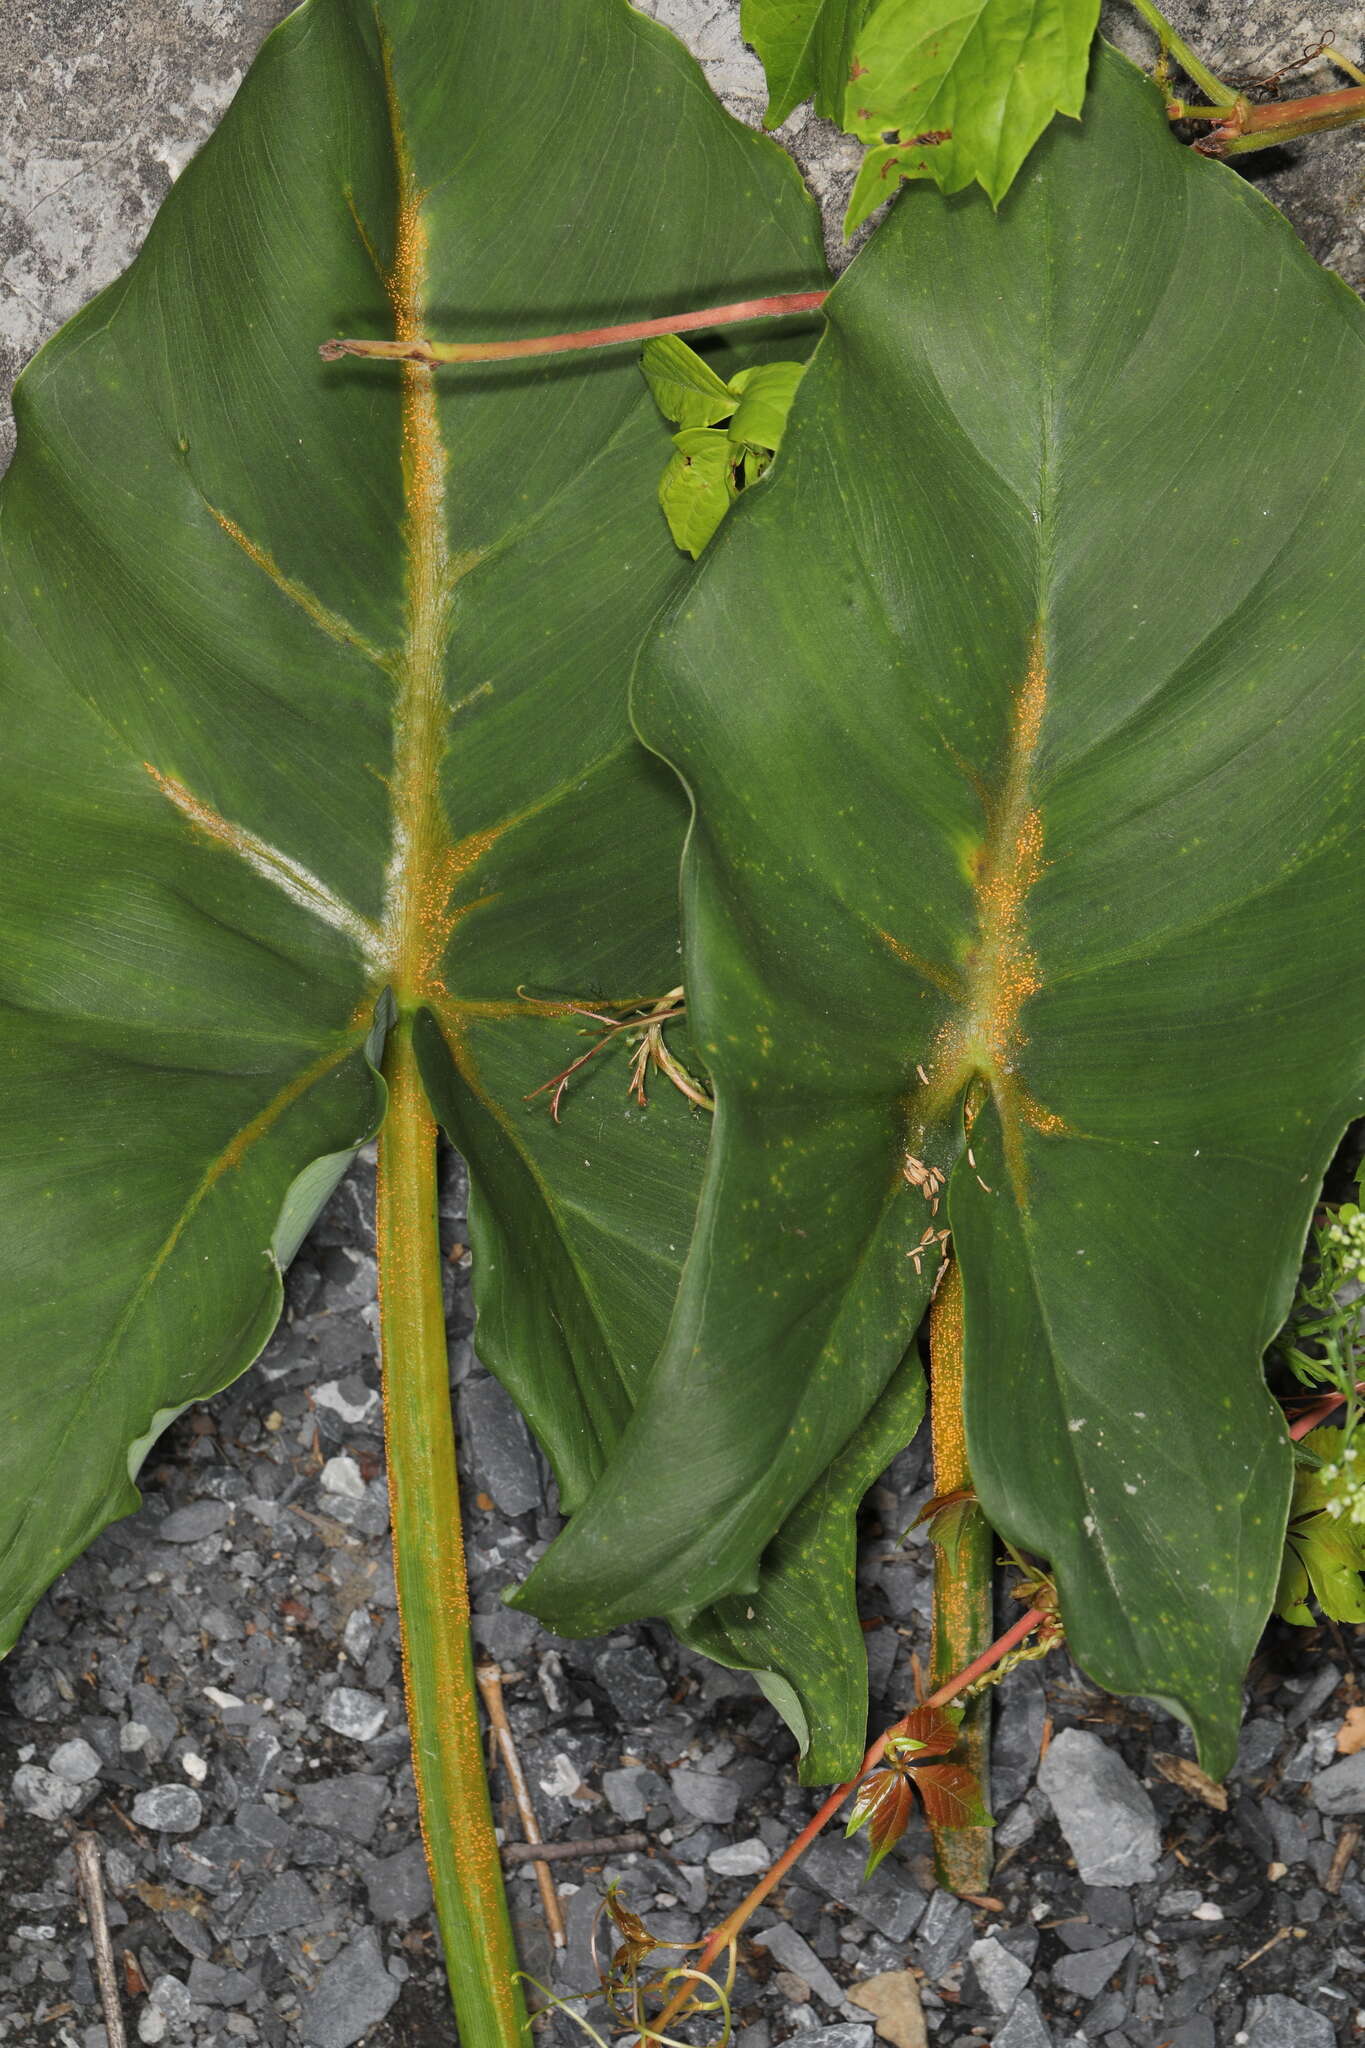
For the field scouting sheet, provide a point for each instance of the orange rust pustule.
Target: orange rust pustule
(423, 869)
(947, 1428)
(962, 1615)
(984, 1036)
(436, 915)
(209, 821)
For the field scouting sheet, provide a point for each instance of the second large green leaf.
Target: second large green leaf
(1021, 714)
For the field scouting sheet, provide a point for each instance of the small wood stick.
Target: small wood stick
(568, 1852)
(1265, 1948)
(489, 1677)
(90, 1878)
(1347, 1844)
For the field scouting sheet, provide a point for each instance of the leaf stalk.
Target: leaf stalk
(429, 1568)
(963, 1612)
(1193, 66)
(1238, 124)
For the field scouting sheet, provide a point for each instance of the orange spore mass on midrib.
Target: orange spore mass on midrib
(426, 865)
(984, 1036)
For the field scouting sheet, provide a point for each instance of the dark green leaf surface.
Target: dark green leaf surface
(1020, 709)
(799, 1629)
(314, 682)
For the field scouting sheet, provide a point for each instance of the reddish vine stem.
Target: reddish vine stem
(1319, 1412)
(729, 1927)
(432, 352)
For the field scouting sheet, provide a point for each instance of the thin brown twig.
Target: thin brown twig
(90, 1878)
(1347, 1844)
(1265, 1948)
(489, 1678)
(571, 1852)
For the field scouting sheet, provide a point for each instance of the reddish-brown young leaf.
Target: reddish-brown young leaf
(884, 1804)
(928, 1731)
(952, 1797)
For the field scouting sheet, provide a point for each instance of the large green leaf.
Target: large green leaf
(1020, 709)
(314, 683)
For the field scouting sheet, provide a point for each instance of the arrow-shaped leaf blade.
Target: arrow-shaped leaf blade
(1024, 850)
(314, 681)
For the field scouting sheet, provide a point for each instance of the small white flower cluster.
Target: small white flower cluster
(1345, 1482)
(1349, 1231)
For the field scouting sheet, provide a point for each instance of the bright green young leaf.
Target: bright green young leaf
(806, 47)
(684, 386)
(696, 488)
(765, 395)
(964, 90)
(709, 468)
(1325, 1544)
(314, 684)
(1021, 716)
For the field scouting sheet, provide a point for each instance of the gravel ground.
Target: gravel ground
(214, 1689)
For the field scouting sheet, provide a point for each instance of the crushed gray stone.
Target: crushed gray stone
(1002, 1976)
(1086, 1973)
(630, 1793)
(171, 1809)
(75, 1761)
(707, 1796)
(286, 1902)
(44, 1794)
(792, 1952)
(1025, 2026)
(847, 2034)
(1107, 1817)
(944, 1934)
(1341, 1787)
(355, 1714)
(1279, 2022)
(740, 1859)
(501, 1447)
(350, 1805)
(352, 1995)
(192, 1524)
(399, 1887)
(629, 1674)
